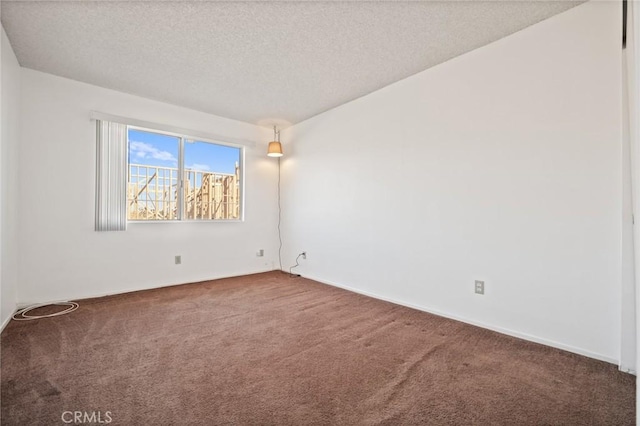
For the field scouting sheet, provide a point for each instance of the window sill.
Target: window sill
(130, 222)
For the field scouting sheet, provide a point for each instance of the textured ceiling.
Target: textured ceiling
(255, 62)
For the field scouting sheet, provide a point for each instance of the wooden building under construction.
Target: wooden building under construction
(153, 193)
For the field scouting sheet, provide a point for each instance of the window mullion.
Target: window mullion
(181, 199)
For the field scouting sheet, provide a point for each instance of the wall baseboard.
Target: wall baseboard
(6, 321)
(21, 305)
(491, 327)
(626, 369)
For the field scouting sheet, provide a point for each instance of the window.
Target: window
(172, 177)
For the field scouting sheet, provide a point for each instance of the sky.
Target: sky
(154, 149)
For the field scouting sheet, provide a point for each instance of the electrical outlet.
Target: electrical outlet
(178, 260)
(479, 287)
(260, 253)
(304, 255)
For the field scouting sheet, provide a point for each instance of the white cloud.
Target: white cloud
(144, 150)
(196, 166)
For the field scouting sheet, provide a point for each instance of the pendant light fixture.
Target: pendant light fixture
(275, 148)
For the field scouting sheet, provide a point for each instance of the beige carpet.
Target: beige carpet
(267, 349)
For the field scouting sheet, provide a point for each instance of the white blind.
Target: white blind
(111, 176)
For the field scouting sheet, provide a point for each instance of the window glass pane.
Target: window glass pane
(152, 188)
(212, 181)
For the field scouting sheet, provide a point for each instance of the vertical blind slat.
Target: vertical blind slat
(111, 177)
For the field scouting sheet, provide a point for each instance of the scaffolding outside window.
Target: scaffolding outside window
(174, 177)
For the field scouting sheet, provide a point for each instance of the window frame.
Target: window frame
(181, 205)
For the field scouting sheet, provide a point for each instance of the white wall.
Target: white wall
(10, 105)
(502, 165)
(62, 257)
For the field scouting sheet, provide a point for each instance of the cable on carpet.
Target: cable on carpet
(291, 274)
(22, 314)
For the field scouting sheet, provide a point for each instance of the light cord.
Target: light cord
(279, 215)
(291, 274)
